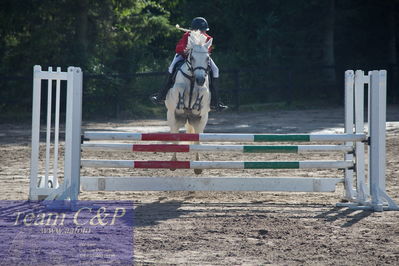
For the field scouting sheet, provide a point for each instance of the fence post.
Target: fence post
(37, 82)
(377, 133)
(289, 88)
(361, 185)
(349, 115)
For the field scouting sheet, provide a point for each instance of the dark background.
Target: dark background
(271, 53)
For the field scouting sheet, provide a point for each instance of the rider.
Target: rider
(201, 24)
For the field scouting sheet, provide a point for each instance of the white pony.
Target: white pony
(188, 101)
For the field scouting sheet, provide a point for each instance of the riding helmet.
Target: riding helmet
(199, 23)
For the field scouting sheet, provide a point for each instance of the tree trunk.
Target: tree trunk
(328, 45)
(81, 30)
(392, 53)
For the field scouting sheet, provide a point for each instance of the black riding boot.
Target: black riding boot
(159, 97)
(216, 104)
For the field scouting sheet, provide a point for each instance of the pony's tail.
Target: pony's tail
(190, 130)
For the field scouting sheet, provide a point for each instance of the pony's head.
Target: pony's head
(199, 56)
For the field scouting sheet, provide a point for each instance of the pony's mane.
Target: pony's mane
(196, 38)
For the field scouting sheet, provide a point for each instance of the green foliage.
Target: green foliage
(280, 45)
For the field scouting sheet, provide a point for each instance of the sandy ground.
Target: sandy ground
(252, 228)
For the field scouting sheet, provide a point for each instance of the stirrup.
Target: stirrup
(156, 99)
(219, 107)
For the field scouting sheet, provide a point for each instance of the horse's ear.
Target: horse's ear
(208, 43)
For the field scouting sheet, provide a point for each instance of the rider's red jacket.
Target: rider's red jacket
(182, 44)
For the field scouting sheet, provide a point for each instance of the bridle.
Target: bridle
(192, 70)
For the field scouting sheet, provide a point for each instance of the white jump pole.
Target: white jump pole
(183, 183)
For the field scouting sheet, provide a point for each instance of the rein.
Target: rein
(191, 78)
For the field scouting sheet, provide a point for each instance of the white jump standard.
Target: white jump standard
(360, 194)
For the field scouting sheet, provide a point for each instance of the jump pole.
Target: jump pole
(215, 148)
(187, 183)
(209, 137)
(217, 164)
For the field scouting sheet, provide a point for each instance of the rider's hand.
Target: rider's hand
(186, 51)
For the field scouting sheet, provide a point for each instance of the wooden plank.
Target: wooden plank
(283, 184)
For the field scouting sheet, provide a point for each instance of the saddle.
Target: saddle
(176, 68)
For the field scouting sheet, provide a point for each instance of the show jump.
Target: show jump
(364, 186)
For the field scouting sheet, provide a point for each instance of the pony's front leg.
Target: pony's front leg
(199, 127)
(197, 158)
(174, 128)
(193, 129)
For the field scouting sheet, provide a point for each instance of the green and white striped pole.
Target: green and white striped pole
(96, 135)
(218, 164)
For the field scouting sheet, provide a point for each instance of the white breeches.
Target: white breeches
(214, 67)
(176, 59)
